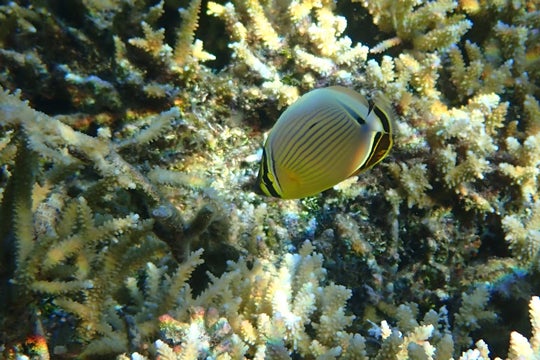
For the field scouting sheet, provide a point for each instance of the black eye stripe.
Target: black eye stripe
(265, 179)
(383, 117)
(381, 144)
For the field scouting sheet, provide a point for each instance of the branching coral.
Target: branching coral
(141, 151)
(60, 249)
(477, 75)
(211, 332)
(185, 52)
(523, 235)
(463, 125)
(520, 347)
(525, 171)
(429, 26)
(131, 325)
(283, 302)
(312, 43)
(60, 261)
(263, 309)
(471, 314)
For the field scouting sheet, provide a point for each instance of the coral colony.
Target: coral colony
(130, 141)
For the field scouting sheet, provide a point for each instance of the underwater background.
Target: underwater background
(130, 141)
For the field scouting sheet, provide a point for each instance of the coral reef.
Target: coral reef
(129, 138)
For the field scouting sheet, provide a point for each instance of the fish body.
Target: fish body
(326, 136)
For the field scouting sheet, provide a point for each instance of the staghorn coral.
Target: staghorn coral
(520, 347)
(185, 52)
(275, 302)
(147, 134)
(477, 74)
(199, 332)
(472, 314)
(135, 316)
(522, 235)
(429, 26)
(56, 248)
(311, 43)
(57, 258)
(265, 309)
(525, 171)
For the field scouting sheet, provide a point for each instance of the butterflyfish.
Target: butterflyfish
(325, 137)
